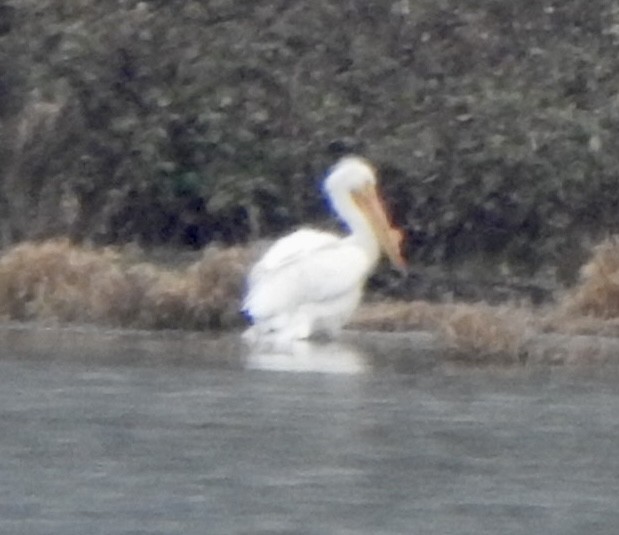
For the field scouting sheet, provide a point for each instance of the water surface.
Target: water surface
(104, 432)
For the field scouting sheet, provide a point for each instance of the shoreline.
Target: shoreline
(416, 349)
(62, 287)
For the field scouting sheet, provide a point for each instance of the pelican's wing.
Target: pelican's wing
(290, 249)
(306, 267)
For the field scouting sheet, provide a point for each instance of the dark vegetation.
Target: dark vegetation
(493, 122)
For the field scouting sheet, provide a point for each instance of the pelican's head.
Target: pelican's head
(351, 186)
(349, 174)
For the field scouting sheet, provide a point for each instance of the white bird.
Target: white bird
(311, 282)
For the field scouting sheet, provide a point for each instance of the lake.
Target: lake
(157, 433)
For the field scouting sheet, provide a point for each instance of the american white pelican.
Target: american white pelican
(311, 281)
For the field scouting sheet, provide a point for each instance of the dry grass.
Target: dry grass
(487, 332)
(591, 307)
(501, 333)
(598, 291)
(206, 294)
(57, 281)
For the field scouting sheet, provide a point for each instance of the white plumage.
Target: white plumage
(311, 281)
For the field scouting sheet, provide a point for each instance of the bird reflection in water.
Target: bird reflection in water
(315, 356)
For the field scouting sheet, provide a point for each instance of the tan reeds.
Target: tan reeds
(597, 294)
(592, 306)
(206, 294)
(56, 281)
(485, 333)
(61, 282)
(478, 331)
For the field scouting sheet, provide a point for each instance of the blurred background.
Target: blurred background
(192, 123)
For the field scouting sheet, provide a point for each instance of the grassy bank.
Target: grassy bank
(503, 332)
(58, 283)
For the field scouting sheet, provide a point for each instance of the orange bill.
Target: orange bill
(389, 237)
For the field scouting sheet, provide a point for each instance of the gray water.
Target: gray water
(110, 434)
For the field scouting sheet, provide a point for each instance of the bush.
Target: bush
(190, 122)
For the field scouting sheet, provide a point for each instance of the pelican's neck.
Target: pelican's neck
(361, 232)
